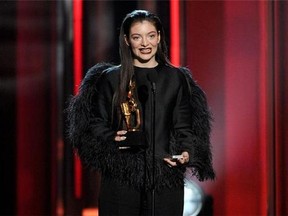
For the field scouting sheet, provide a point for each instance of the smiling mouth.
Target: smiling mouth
(145, 50)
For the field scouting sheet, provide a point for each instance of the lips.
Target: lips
(145, 50)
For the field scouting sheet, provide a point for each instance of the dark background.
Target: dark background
(237, 51)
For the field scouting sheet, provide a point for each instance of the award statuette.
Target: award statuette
(131, 113)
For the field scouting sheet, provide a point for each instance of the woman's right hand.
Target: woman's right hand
(120, 135)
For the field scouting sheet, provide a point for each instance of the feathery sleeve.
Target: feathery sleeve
(92, 148)
(201, 160)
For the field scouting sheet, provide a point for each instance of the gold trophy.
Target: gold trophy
(131, 113)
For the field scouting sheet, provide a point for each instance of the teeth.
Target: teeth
(146, 50)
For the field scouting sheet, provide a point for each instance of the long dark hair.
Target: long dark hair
(126, 57)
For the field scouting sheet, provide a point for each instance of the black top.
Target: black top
(182, 124)
(172, 107)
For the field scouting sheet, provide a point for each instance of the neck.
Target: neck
(145, 64)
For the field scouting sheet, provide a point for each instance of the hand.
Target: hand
(119, 135)
(182, 160)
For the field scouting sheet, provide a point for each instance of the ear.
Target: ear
(159, 37)
(126, 40)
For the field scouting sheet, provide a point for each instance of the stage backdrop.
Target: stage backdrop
(237, 51)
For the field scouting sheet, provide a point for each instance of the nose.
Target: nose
(144, 42)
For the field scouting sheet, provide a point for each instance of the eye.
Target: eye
(135, 38)
(151, 36)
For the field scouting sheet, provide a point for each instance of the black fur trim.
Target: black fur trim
(201, 158)
(133, 167)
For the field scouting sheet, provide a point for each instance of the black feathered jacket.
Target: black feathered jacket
(182, 124)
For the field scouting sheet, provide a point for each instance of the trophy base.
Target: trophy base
(134, 139)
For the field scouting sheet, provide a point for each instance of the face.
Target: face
(143, 40)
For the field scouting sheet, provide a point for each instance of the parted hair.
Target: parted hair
(126, 55)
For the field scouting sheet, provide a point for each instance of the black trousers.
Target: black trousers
(118, 199)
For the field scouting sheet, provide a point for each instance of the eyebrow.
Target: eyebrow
(147, 33)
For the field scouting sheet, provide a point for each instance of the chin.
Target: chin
(145, 60)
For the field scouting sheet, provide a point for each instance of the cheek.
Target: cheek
(134, 45)
(134, 50)
(155, 43)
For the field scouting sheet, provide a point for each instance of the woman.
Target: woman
(138, 177)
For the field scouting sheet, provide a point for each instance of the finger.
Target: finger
(170, 162)
(122, 132)
(119, 138)
(185, 157)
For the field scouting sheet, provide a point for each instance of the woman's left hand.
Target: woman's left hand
(179, 161)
